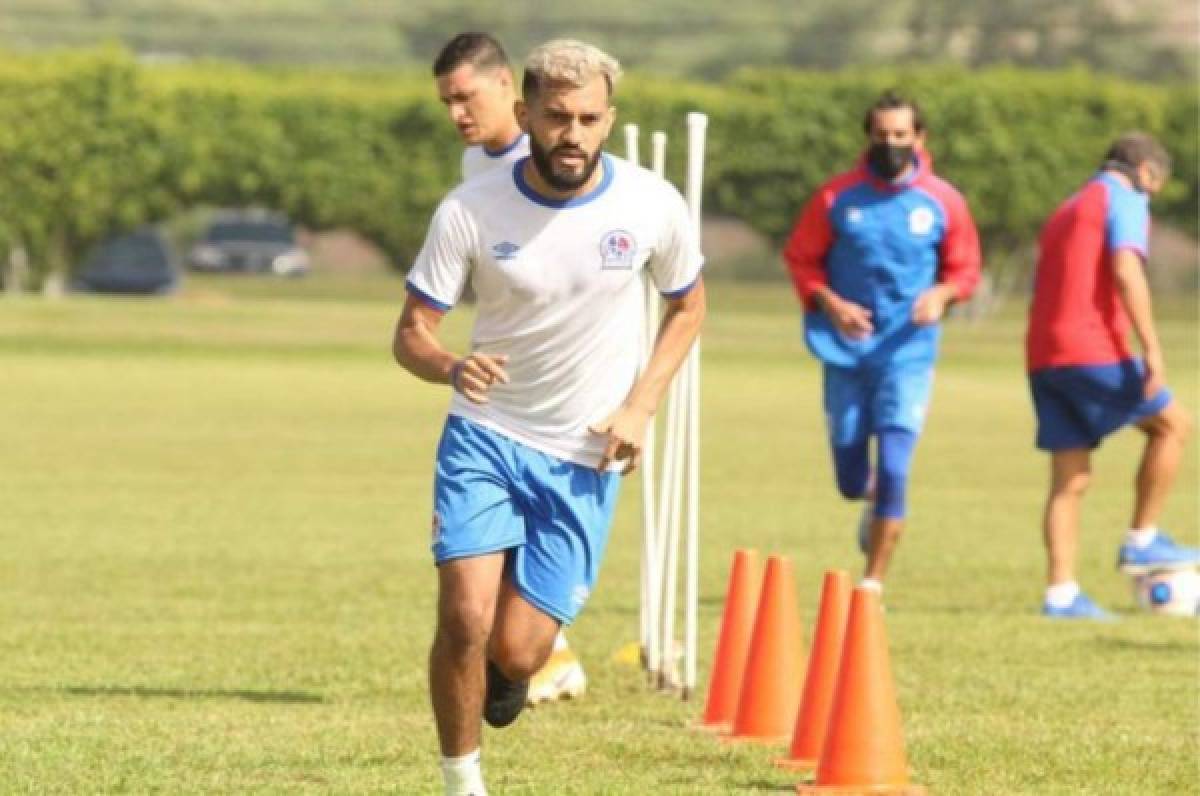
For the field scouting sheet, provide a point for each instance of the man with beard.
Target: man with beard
(475, 83)
(877, 256)
(548, 408)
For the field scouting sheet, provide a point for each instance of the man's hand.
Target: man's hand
(851, 320)
(475, 374)
(1156, 373)
(931, 305)
(625, 430)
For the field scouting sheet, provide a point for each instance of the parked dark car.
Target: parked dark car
(249, 242)
(141, 262)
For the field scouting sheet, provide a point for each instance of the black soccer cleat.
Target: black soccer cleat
(504, 699)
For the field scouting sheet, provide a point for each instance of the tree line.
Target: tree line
(95, 142)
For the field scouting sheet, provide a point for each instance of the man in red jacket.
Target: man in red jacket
(878, 254)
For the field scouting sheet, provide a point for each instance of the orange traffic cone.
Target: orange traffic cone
(819, 683)
(774, 666)
(864, 745)
(729, 660)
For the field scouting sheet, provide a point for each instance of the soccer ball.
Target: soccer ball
(1170, 592)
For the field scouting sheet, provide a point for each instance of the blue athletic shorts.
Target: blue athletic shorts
(865, 400)
(491, 493)
(1078, 406)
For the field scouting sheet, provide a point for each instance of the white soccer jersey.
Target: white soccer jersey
(559, 290)
(477, 159)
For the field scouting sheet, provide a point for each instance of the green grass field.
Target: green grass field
(214, 567)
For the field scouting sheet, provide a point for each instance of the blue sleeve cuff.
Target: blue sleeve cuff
(1136, 248)
(683, 291)
(426, 298)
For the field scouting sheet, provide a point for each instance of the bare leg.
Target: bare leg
(885, 535)
(1166, 434)
(467, 593)
(1070, 473)
(522, 637)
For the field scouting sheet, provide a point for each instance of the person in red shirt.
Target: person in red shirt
(1086, 382)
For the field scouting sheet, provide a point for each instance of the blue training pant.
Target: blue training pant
(894, 451)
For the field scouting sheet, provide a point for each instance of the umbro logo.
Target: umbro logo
(505, 250)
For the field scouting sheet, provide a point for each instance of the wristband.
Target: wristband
(455, 372)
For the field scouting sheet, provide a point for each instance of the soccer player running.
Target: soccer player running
(548, 407)
(1085, 381)
(877, 255)
(475, 83)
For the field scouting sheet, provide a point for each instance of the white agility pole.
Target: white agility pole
(658, 153)
(683, 476)
(697, 127)
(671, 510)
(668, 483)
(631, 144)
(648, 620)
(651, 563)
(669, 535)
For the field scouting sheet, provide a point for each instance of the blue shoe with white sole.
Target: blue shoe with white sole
(1162, 553)
(1081, 607)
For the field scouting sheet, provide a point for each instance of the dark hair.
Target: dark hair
(1132, 149)
(891, 100)
(480, 50)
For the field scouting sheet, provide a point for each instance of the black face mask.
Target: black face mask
(887, 160)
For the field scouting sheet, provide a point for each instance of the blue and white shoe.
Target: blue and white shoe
(1081, 607)
(1162, 553)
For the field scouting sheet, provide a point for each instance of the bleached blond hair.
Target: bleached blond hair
(568, 61)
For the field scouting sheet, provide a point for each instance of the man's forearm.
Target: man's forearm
(427, 362)
(679, 329)
(417, 348)
(1135, 296)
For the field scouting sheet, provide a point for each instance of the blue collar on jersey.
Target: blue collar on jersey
(575, 201)
(504, 150)
(1109, 177)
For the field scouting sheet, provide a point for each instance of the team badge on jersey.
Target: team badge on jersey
(920, 221)
(853, 215)
(617, 250)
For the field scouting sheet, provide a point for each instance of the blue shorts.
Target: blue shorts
(491, 493)
(1079, 405)
(865, 400)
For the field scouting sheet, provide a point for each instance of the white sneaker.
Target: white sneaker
(562, 677)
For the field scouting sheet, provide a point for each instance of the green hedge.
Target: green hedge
(93, 142)
(1015, 142)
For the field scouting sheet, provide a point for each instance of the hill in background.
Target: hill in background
(1148, 39)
